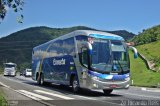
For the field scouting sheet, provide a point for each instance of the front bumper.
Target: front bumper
(28, 75)
(97, 84)
(9, 73)
(107, 81)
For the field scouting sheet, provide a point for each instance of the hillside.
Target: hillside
(148, 44)
(147, 36)
(125, 34)
(152, 52)
(141, 76)
(17, 47)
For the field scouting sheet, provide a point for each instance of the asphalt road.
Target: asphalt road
(22, 91)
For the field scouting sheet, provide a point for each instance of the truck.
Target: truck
(10, 69)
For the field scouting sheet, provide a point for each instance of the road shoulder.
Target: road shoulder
(13, 98)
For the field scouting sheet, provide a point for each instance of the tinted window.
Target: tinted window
(69, 46)
(81, 38)
(61, 47)
(55, 49)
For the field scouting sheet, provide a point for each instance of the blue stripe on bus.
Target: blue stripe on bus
(111, 37)
(107, 76)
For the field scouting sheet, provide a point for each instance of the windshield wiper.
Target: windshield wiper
(119, 64)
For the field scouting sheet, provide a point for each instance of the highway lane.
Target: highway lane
(62, 95)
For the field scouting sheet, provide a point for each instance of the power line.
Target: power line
(15, 49)
(22, 41)
(15, 46)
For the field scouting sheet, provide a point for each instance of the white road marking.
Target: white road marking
(85, 97)
(35, 98)
(142, 95)
(111, 103)
(144, 89)
(57, 95)
(106, 97)
(4, 85)
(154, 90)
(33, 95)
(30, 96)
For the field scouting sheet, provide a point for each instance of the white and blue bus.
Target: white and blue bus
(83, 59)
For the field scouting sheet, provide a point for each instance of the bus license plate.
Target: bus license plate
(113, 86)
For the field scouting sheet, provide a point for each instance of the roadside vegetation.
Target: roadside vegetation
(152, 52)
(148, 44)
(1, 70)
(3, 102)
(141, 76)
(147, 36)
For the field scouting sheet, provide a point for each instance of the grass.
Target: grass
(1, 70)
(151, 51)
(2, 99)
(140, 75)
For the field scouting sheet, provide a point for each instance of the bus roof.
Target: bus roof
(91, 33)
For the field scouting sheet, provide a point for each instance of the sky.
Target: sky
(130, 15)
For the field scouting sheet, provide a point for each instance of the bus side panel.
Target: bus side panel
(35, 68)
(58, 69)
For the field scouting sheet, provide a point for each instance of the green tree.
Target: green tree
(15, 5)
(147, 36)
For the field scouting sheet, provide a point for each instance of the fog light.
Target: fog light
(127, 79)
(127, 86)
(95, 85)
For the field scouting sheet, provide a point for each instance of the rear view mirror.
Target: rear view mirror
(86, 52)
(86, 45)
(135, 51)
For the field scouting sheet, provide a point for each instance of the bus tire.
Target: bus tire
(38, 79)
(107, 91)
(75, 85)
(42, 80)
(39, 82)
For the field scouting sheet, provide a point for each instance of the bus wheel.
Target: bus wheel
(107, 91)
(75, 85)
(43, 82)
(40, 79)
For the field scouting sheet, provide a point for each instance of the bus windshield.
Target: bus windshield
(101, 57)
(108, 56)
(118, 51)
(120, 56)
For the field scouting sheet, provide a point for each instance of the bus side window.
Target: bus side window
(69, 46)
(55, 49)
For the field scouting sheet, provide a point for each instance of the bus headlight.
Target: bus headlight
(95, 78)
(127, 79)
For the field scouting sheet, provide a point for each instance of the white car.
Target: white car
(28, 73)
